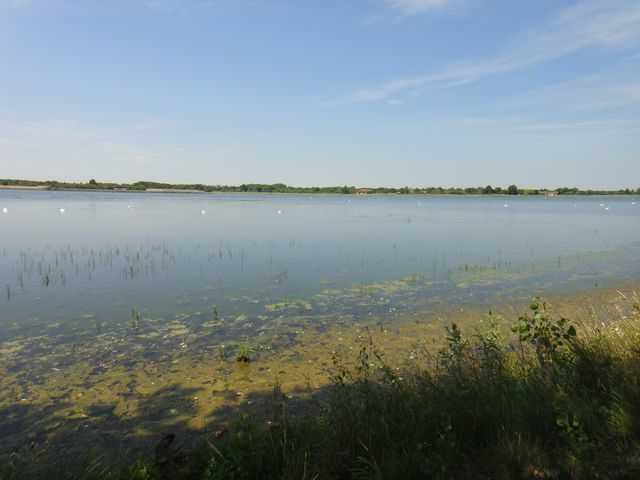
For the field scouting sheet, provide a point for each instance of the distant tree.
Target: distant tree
(512, 190)
(93, 182)
(488, 190)
(570, 191)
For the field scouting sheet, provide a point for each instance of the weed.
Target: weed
(243, 353)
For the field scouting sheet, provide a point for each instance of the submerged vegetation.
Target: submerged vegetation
(282, 188)
(553, 398)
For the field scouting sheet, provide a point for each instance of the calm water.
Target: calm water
(120, 313)
(108, 253)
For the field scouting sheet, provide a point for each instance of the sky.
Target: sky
(541, 93)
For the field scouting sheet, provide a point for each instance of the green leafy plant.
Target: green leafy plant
(243, 353)
(549, 337)
(455, 352)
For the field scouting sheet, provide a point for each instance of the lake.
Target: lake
(111, 302)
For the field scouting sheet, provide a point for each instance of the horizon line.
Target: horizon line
(405, 187)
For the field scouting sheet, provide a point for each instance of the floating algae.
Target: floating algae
(300, 306)
(176, 329)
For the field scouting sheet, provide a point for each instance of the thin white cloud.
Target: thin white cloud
(585, 94)
(416, 7)
(165, 5)
(130, 154)
(152, 124)
(40, 132)
(589, 24)
(618, 127)
(103, 141)
(15, 3)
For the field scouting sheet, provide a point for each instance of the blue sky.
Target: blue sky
(365, 92)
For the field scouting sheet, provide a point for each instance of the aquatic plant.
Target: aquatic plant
(243, 353)
(135, 320)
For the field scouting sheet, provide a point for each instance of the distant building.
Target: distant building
(364, 191)
(554, 193)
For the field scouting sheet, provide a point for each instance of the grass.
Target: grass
(552, 399)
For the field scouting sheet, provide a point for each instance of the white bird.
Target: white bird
(5, 210)
(203, 212)
(62, 210)
(506, 205)
(279, 212)
(129, 207)
(607, 208)
(632, 203)
(602, 204)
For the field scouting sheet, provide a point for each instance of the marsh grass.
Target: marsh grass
(552, 399)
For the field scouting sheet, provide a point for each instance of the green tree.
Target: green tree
(512, 190)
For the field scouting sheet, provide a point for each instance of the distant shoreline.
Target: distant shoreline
(281, 188)
(322, 194)
(23, 187)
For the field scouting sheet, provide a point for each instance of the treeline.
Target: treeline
(200, 187)
(283, 188)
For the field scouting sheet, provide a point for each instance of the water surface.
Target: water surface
(117, 310)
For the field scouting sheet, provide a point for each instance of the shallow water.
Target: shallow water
(120, 301)
(111, 252)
